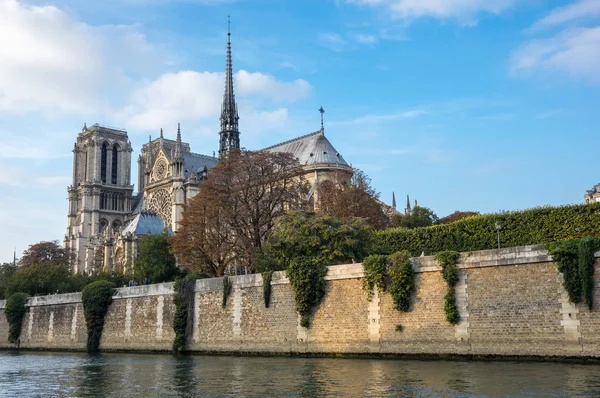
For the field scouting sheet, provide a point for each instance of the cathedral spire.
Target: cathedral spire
(178, 155)
(394, 200)
(229, 136)
(407, 204)
(161, 137)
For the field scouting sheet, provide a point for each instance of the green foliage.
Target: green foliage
(96, 298)
(307, 277)
(457, 216)
(575, 260)
(7, 270)
(14, 311)
(267, 287)
(328, 240)
(452, 315)
(375, 273)
(266, 260)
(184, 308)
(418, 217)
(45, 253)
(155, 260)
(399, 328)
(402, 280)
(227, 286)
(449, 262)
(535, 226)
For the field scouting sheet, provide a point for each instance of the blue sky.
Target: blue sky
(482, 105)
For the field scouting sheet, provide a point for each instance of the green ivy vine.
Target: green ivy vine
(375, 268)
(227, 286)
(184, 310)
(307, 277)
(96, 298)
(575, 260)
(449, 262)
(14, 311)
(393, 273)
(267, 276)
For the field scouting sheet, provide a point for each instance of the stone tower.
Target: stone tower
(229, 136)
(100, 197)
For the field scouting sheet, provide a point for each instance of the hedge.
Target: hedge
(540, 225)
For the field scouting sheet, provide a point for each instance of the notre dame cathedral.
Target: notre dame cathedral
(106, 218)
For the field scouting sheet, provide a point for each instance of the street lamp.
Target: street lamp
(498, 231)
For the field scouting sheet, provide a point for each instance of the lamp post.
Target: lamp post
(498, 231)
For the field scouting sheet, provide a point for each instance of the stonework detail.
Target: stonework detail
(518, 309)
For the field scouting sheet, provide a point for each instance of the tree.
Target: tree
(347, 199)
(41, 279)
(7, 270)
(458, 215)
(326, 239)
(45, 253)
(155, 260)
(418, 217)
(228, 221)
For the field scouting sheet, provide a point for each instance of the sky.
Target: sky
(473, 105)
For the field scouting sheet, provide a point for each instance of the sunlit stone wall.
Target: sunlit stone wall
(511, 303)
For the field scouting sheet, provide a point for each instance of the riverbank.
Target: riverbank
(511, 305)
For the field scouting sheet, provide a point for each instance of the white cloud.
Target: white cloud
(52, 63)
(575, 51)
(11, 176)
(366, 39)
(333, 41)
(583, 9)
(465, 11)
(196, 96)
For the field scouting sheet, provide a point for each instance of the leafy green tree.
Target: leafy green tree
(418, 217)
(457, 216)
(326, 239)
(155, 261)
(7, 270)
(41, 279)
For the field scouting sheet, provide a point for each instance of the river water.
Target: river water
(128, 375)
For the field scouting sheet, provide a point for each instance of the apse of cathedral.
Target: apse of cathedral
(106, 220)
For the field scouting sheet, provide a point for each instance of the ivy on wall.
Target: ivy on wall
(449, 262)
(14, 311)
(575, 260)
(393, 273)
(227, 286)
(267, 276)
(307, 277)
(96, 298)
(541, 225)
(184, 311)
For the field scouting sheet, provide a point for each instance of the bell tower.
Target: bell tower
(100, 196)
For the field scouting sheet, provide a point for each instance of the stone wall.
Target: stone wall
(511, 303)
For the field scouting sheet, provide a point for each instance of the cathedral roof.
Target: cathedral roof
(145, 223)
(311, 149)
(195, 162)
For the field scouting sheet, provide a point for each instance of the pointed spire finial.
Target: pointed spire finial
(321, 111)
(177, 156)
(229, 135)
(394, 200)
(407, 204)
(84, 126)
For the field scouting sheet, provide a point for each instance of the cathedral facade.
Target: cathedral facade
(105, 218)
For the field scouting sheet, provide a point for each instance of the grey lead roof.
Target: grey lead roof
(145, 223)
(196, 162)
(311, 149)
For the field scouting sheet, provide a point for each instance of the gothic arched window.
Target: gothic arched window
(103, 164)
(115, 162)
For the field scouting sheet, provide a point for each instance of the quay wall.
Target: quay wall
(511, 303)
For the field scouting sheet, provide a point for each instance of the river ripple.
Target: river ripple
(129, 375)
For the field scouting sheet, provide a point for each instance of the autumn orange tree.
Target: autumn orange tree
(236, 207)
(347, 198)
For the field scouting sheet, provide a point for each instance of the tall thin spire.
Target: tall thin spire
(322, 111)
(407, 205)
(229, 136)
(178, 154)
(394, 200)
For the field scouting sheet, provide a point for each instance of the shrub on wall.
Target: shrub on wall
(227, 286)
(375, 268)
(267, 276)
(402, 279)
(14, 311)
(449, 262)
(534, 226)
(96, 297)
(184, 307)
(575, 260)
(307, 277)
